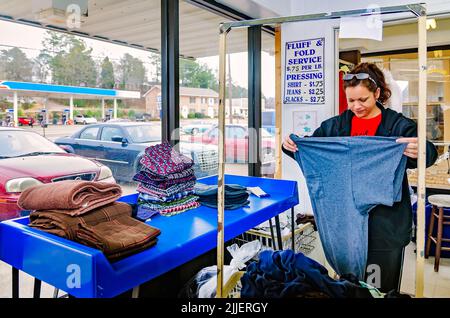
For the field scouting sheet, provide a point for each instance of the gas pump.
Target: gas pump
(65, 116)
(108, 114)
(43, 118)
(9, 118)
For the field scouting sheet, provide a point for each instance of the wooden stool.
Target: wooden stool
(439, 201)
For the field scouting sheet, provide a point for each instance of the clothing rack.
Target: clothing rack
(419, 11)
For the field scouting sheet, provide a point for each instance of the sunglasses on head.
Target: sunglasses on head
(359, 76)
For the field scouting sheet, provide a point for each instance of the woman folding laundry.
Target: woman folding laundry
(389, 227)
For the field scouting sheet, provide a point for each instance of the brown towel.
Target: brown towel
(69, 197)
(110, 229)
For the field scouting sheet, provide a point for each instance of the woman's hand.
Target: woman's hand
(288, 144)
(411, 149)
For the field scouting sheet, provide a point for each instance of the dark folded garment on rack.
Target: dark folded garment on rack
(143, 177)
(236, 196)
(163, 160)
(282, 274)
(69, 197)
(109, 228)
(177, 175)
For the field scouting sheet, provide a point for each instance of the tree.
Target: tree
(76, 67)
(69, 60)
(107, 79)
(41, 69)
(194, 74)
(15, 66)
(155, 61)
(132, 72)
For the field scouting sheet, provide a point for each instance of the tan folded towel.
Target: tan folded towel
(69, 197)
(110, 229)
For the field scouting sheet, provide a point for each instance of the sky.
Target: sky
(29, 38)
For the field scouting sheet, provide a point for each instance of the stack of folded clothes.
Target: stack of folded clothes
(86, 212)
(166, 182)
(236, 196)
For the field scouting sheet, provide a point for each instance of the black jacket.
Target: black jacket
(389, 227)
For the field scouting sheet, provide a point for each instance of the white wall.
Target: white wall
(303, 31)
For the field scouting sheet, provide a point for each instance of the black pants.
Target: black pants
(384, 268)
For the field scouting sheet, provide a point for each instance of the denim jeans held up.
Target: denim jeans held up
(346, 178)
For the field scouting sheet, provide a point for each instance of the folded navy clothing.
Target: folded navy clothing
(282, 274)
(236, 196)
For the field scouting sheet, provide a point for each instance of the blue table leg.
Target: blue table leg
(278, 228)
(293, 229)
(37, 288)
(15, 283)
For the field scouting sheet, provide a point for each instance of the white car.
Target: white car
(81, 119)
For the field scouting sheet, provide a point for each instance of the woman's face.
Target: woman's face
(361, 101)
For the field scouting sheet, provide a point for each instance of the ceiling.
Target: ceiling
(137, 23)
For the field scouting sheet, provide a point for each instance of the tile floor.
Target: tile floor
(437, 285)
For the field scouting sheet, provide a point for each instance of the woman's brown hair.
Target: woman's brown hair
(376, 74)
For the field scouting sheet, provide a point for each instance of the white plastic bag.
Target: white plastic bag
(241, 255)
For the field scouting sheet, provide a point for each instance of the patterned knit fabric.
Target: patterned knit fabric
(143, 178)
(155, 199)
(177, 175)
(163, 160)
(168, 205)
(170, 211)
(166, 182)
(180, 209)
(173, 190)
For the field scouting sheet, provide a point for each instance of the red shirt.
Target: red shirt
(365, 127)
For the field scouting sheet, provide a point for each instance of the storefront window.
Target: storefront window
(39, 55)
(199, 74)
(404, 71)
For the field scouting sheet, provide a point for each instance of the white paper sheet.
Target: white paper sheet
(364, 27)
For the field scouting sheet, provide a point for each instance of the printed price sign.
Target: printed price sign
(304, 81)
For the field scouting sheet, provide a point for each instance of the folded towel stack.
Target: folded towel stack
(166, 182)
(86, 212)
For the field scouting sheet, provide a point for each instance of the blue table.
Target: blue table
(60, 262)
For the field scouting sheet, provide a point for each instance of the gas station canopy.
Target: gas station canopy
(27, 89)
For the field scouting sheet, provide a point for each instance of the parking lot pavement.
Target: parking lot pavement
(54, 131)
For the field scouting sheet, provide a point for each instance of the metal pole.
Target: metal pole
(135, 293)
(71, 109)
(16, 110)
(220, 177)
(170, 86)
(15, 283)
(421, 162)
(103, 108)
(278, 106)
(37, 288)
(115, 108)
(254, 101)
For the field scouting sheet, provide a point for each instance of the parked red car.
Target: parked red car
(236, 143)
(26, 121)
(28, 159)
